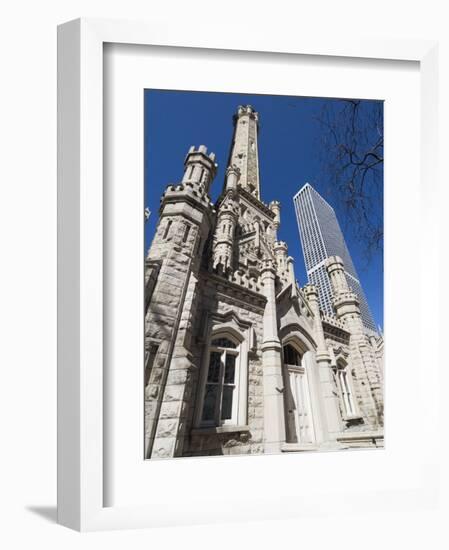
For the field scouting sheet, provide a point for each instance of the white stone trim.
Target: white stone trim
(241, 386)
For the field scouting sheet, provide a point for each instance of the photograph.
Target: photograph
(263, 274)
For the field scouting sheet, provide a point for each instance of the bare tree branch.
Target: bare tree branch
(352, 150)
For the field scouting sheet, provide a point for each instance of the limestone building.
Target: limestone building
(238, 357)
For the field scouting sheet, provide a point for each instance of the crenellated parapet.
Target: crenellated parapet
(185, 197)
(246, 110)
(333, 321)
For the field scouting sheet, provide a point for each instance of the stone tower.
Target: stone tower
(367, 372)
(244, 250)
(244, 150)
(173, 262)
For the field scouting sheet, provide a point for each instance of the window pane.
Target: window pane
(213, 374)
(226, 406)
(291, 356)
(223, 343)
(210, 399)
(229, 369)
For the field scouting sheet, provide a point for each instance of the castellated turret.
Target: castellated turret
(188, 201)
(171, 297)
(346, 303)
(275, 207)
(199, 168)
(280, 253)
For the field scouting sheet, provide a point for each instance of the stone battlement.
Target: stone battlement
(202, 149)
(333, 321)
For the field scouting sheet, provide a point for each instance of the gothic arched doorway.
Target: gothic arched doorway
(300, 407)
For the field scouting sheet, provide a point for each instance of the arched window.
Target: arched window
(291, 356)
(220, 402)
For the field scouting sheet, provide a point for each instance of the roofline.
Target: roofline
(307, 185)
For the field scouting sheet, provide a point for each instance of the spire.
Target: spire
(244, 152)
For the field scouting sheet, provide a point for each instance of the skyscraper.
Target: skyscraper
(321, 237)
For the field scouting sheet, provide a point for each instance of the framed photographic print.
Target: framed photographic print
(223, 350)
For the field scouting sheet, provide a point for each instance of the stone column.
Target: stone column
(330, 422)
(291, 276)
(273, 382)
(232, 178)
(275, 207)
(291, 272)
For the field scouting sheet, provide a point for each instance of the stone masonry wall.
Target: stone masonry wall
(174, 245)
(243, 442)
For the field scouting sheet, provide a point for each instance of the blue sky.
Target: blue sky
(289, 156)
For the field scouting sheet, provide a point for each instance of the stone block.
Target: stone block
(254, 401)
(150, 410)
(152, 392)
(174, 274)
(165, 291)
(255, 412)
(256, 436)
(164, 448)
(256, 370)
(179, 376)
(256, 424)
(173, 409)
(156, 376)
(167, 427)
(159, 308)
(174, 393)
(180, 259)
(238, 450)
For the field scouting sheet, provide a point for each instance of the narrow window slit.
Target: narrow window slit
(186, 233)
(167, 229)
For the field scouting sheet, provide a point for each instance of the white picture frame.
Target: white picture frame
(81, 475)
